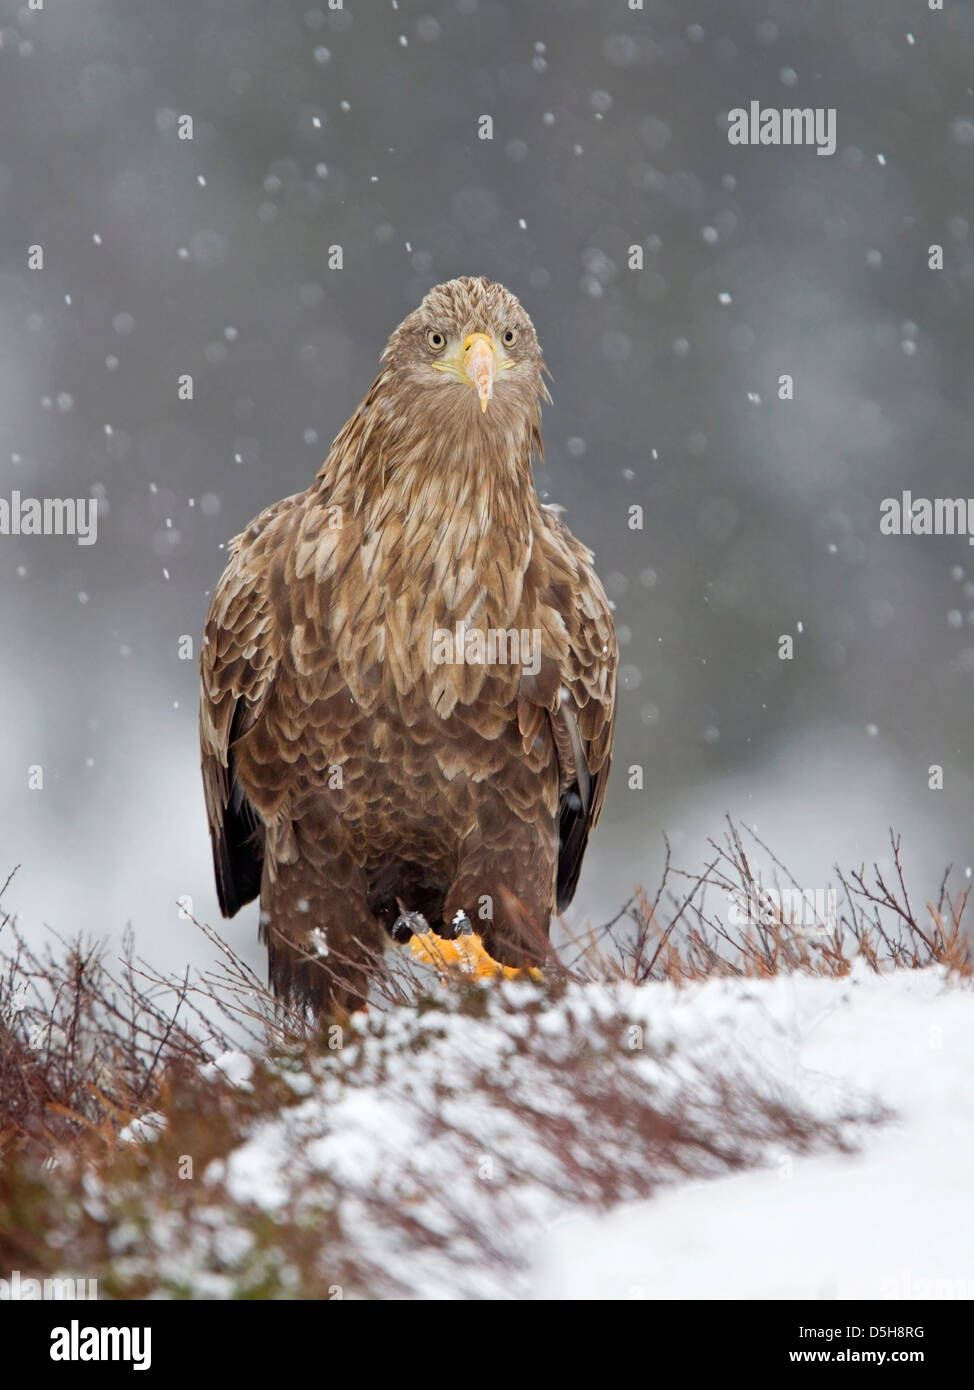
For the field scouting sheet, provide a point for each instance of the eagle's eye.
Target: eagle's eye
(510, 337)
(435, 339)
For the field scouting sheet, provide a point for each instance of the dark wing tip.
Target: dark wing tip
(238, 863)
(574, 824)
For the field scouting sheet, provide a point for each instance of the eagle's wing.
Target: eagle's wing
(582, 719)
(242, 646)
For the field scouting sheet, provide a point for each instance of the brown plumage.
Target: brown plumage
(351, 772)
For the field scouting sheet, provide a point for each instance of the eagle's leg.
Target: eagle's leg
(507, 890)
(323, 941)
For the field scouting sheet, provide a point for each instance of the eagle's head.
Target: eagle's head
(468, 354)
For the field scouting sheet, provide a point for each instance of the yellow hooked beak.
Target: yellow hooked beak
(475, 363)
(478, 357)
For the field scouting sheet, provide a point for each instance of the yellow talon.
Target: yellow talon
(467, 955)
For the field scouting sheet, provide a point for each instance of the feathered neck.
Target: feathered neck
(440, 521)
(437, 467)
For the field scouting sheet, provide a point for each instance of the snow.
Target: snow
(481, 1128)
(143, 1129)
(894, 1221)
(235, 1066)
(788, 1137)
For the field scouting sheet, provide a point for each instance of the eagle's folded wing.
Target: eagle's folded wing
(581, 722)
(241, 650)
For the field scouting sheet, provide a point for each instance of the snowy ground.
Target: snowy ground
(784, 1137)
(894, 1221)
(779, 1137)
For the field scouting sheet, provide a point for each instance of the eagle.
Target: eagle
(408, 673)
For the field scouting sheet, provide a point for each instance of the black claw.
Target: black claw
(461, 924)
(408, 924)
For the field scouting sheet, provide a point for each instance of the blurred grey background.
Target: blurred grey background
(358, 126)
